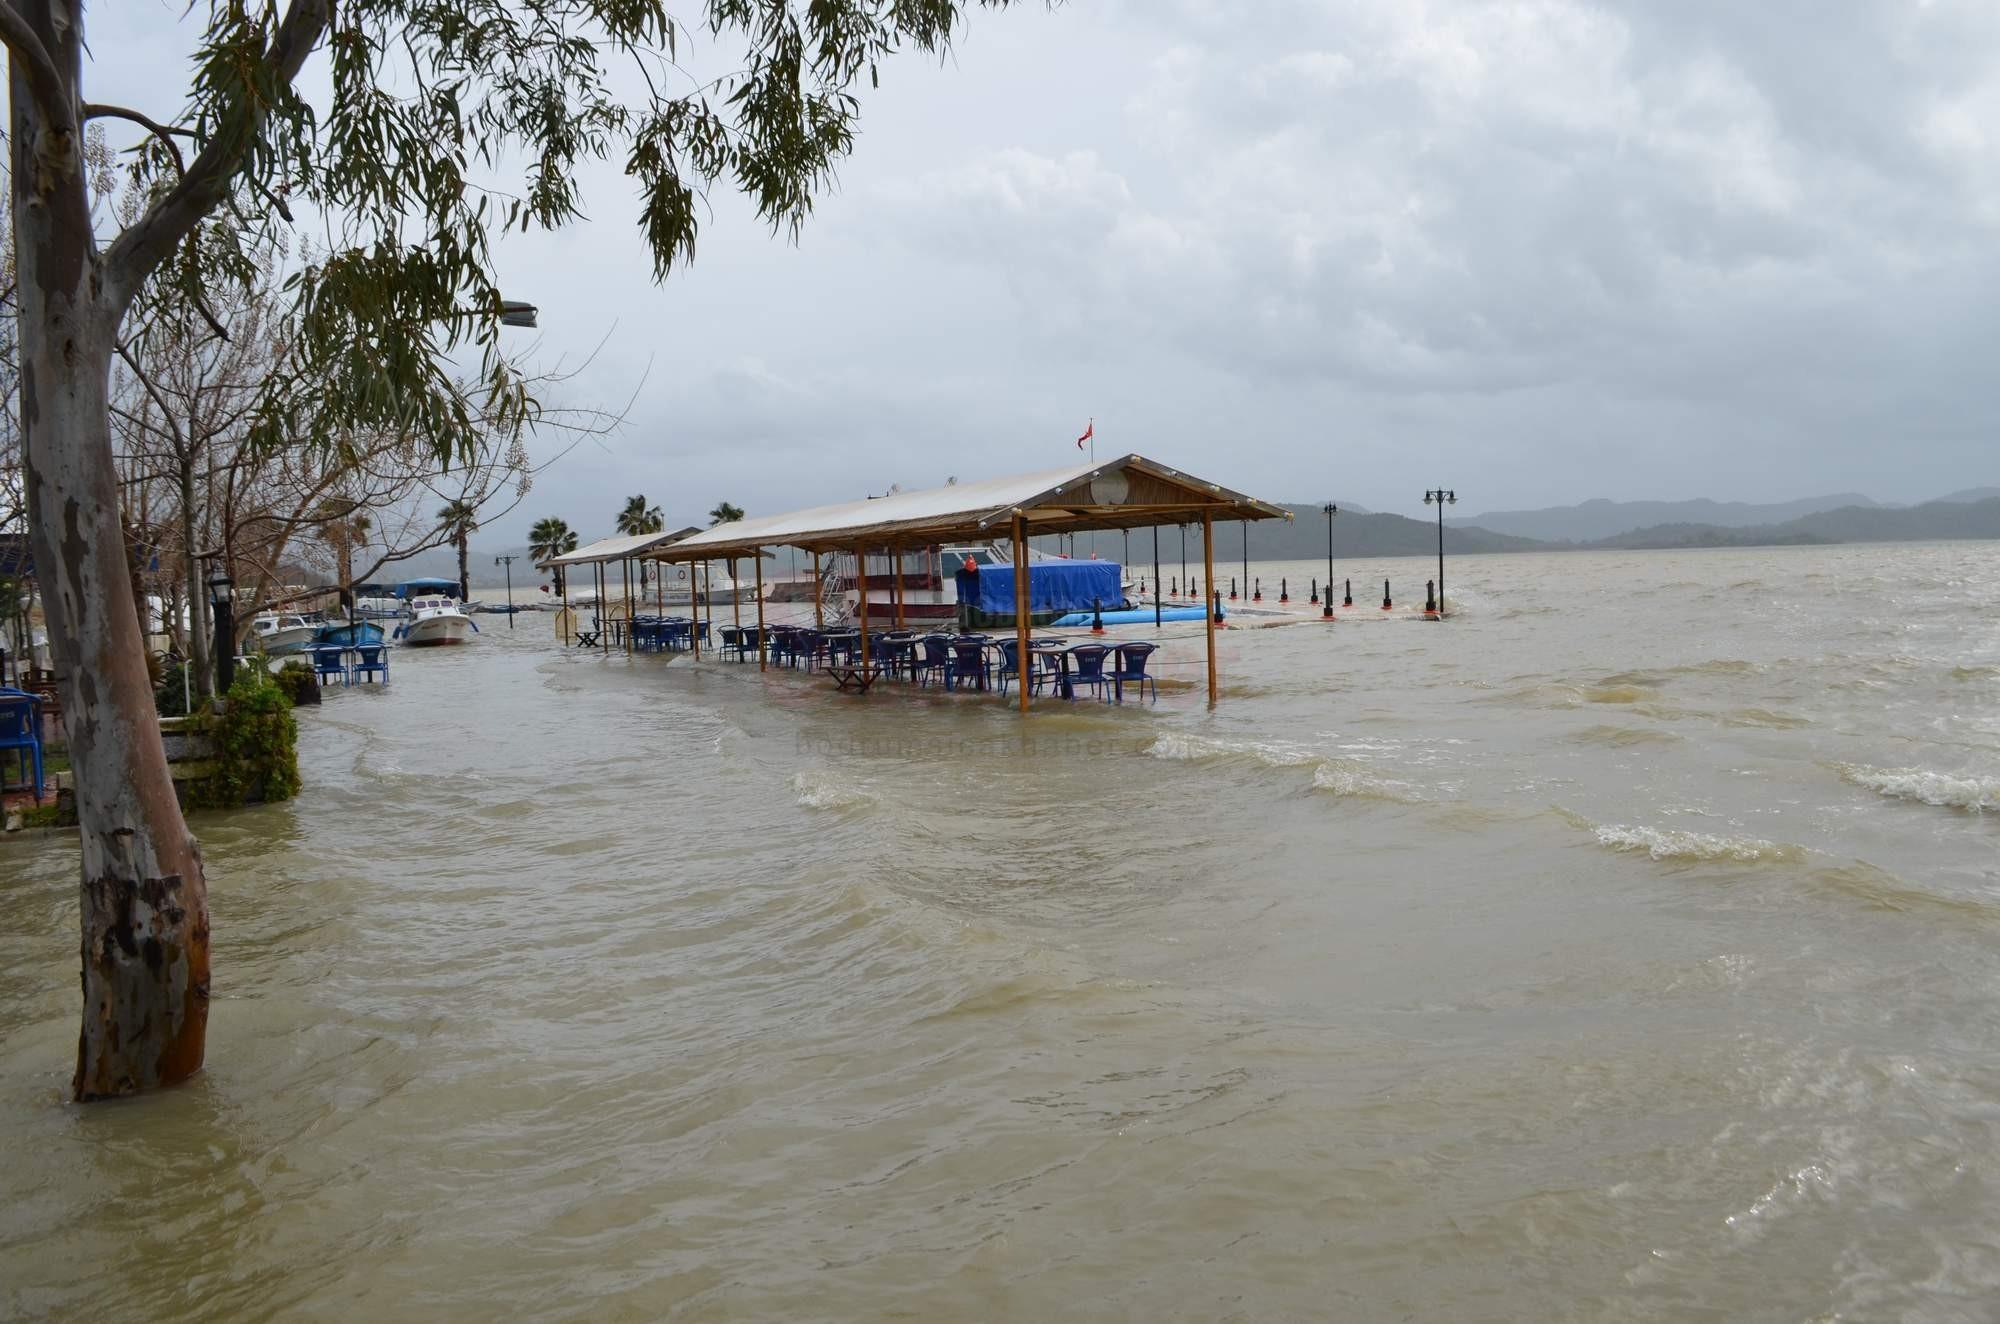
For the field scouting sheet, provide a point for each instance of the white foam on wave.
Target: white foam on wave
(1345, 777)
(1179, 746)
(1976, 794)
(1674, 844)
(821, 788)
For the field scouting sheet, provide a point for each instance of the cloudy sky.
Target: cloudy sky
(1538, 251)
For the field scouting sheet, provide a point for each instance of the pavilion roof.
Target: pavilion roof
(1128, 492)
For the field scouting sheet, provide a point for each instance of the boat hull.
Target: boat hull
(292, 639)
(436, 632)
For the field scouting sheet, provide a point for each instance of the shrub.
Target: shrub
(256, 745)
(294, 678)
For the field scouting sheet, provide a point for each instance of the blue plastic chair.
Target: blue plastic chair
(732, 642)
(1086, 668)
(1010, 667)
(968, 662)
(1129, 665)
(21, 733)
(330, 663)
(371, 660)
(933, 658)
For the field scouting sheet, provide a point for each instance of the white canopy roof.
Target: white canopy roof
(619, 548)
(1128, 492)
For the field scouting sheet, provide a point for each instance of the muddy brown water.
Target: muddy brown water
(1626, 948)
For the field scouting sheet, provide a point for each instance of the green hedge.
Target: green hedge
(256, 742)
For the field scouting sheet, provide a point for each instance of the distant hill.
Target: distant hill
(1973, 494)
(1942, 520)
(1593, 521)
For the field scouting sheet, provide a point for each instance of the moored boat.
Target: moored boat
(288, 632)
(348, 634)
(434, 620)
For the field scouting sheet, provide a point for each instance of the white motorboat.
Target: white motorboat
(431, 621)
(278, 633)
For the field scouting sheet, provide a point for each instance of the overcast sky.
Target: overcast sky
(1537, 251)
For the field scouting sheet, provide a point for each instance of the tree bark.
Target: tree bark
(144, 897)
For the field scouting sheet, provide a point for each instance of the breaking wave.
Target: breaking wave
(1181, 747)
(1344, 777)
(1348, 780)
(1974, 794)
(1674, 844)
(820, 788)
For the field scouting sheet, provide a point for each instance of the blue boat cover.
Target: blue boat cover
(1052, 586)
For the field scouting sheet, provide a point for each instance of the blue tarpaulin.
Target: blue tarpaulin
(1053, 586)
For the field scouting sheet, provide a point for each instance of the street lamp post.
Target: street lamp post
(1439, 497)
(1326, 612)
(1246, 560)
(221, 600)
(508, 561)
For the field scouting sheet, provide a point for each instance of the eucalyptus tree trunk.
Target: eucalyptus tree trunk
(144, 898)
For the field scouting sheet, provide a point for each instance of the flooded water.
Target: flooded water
(1627, 948)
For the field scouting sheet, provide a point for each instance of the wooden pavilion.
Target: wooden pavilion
(1124, 493)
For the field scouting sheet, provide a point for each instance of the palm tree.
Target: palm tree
(550, 538)
(459, 520)
(638, 517)
(724, 513)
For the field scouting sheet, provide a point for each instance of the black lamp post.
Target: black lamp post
(508, 561)
(1439, 497)
(1331, 510)
(222, 601)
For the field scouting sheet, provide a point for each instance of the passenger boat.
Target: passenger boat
(434, 620)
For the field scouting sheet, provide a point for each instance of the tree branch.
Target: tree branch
(149, 240)
(38, 67)
(165, 133)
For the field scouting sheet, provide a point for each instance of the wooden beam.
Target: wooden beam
(819, 586)
(694, 608)
(736, 600)
(1021, 609)
(1208, 595)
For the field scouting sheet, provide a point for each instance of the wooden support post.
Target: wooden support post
(603, 592)
(897, 552)
(819, 611)
(695, 571)
(660, 589)
(1021, 609)
(625, 572)
(760, 606)
(736, 602)
(1207, 607)
(861, 605)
